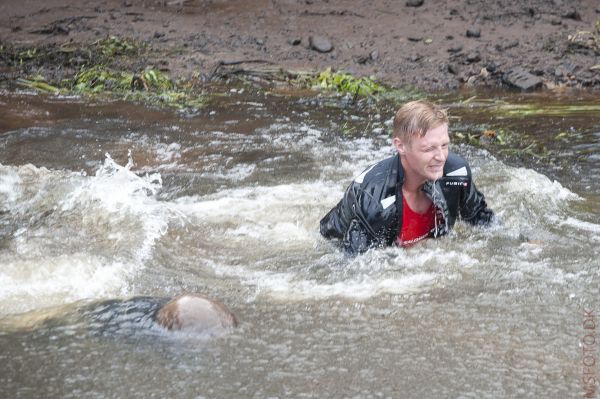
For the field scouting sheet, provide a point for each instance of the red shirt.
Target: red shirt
(415, 226)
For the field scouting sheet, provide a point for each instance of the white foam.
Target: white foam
(79, 237)
(9, 187)
(29, 284)
(295, 287)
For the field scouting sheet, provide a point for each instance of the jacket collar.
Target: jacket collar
(434, 192)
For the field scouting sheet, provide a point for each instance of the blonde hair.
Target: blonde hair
(416, 118)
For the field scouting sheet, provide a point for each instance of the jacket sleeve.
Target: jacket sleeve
(474, 209)
(347, 223)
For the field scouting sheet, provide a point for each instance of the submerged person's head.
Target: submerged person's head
(416, 118)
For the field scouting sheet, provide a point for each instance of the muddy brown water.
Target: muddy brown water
(107, 209)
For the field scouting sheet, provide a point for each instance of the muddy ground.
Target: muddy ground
(433, 45)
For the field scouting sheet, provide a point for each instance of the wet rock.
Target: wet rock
(455, 49)
(363, 59)
(53, 29)
(452, 85)
(474, 32)
(372, 56)
(473, 57)
(521, 79)
(574, 14)
(491, 66)
(414, 3)
(320, 44)
(512, 44)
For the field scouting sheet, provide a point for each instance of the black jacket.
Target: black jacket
(370, 214)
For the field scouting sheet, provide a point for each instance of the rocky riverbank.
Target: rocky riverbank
(425, 44)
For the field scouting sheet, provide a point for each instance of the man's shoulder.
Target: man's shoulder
(456, 166)
(378, 172)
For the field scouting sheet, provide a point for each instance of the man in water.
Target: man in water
(416, 194)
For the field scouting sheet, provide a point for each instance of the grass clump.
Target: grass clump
(342, 82)
(150, 87)
(112, 46)
(99, 79)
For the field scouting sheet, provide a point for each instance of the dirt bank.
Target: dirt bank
(436, 45)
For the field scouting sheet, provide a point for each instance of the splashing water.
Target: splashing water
(77, 237)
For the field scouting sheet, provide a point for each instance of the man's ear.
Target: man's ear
(399, 145)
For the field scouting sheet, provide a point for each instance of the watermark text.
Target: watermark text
(589, 360)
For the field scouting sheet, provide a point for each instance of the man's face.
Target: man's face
(424, 157)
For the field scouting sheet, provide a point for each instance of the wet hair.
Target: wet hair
(416, 118)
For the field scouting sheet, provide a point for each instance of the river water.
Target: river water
(107, 209)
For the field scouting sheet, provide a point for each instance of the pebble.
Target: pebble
(473, 32)
(491, 66)
(455, 49)
(320, 44)
(414, 3)
(473, 57)
(572, 15)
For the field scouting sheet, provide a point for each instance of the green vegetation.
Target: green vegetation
(149, 87)
(102, 69)
(346, 83)
(112, 46)
(38, 83)
(523, 110)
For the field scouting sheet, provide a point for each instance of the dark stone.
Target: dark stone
(414, 38)
(455, 49)
(453, 85)
(537, 72)
(363, 59)
(320, 44)
(295, 41)
(573, 15)
(491, 67)
(453, 69)
(414, 3)
(521, 79)
(473, 32)
(473, 57)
